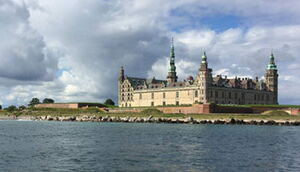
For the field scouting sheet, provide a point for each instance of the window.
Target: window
(152, 103)
(152, 95)
(164, 103)
(177, 94)
(177, 103)
(196, 93)
(141, 96)
(164, 95)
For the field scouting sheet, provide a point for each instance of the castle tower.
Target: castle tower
(204, 79)
(272, 78)
(172, 77)
(120, 82)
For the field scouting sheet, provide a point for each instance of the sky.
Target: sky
(72, 50)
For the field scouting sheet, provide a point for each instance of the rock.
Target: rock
(232, 121)
(270, 122)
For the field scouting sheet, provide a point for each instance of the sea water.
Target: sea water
(87, 146)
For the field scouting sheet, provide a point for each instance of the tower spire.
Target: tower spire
(204, 61)
(272, 65)
(172, 77)
(121, 75)
(271, 77)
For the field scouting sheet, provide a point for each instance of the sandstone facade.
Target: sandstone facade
(140, 92)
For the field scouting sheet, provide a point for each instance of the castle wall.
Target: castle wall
(224, 95)
(58, 105)
(161, 97)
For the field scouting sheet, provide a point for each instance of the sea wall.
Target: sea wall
(210, 108)
(151, 119)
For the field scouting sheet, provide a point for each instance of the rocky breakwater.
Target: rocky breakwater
(151, 119)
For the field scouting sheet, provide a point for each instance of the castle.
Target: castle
(140, 92)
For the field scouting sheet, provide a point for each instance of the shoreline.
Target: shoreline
(151, 119)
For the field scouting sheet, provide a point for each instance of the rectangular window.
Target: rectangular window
(152, 103)
(141, 96)
(196, 93)
(164, 103)
(177, 94)
(164, 95)
(177, 103)
(152, 95)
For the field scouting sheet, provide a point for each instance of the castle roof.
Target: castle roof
(245, 83)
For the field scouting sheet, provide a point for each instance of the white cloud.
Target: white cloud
(72, 50)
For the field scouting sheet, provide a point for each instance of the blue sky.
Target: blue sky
(72, 50)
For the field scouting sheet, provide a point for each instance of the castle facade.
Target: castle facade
(141, 92)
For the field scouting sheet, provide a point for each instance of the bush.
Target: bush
(11, 108)
(22, 107)
(48, 100)
(275, 112)
(33, 102)
(151, 111)
(109, 102)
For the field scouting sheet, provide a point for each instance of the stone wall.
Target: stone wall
(57, 105)
(68, 105)
(194, 109)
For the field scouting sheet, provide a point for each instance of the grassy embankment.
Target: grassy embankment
(273, 115)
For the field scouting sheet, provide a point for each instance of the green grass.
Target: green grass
(272, 115)
(261, 105)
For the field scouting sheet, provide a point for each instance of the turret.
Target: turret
(120, 82)
(172, 77)
(204, 79)
(203, 62)
(121, 75)
(272, 78)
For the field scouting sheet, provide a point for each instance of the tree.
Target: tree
(48, 100)
(22, 107)
(109, 102)
(33, 102)
(11, 108)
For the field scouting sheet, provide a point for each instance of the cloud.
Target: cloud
(244, 53)
(23, 53)
(72, 50)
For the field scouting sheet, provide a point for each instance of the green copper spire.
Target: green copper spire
(204, 58)
(172, 58)
(272, 65)
(172, 77)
